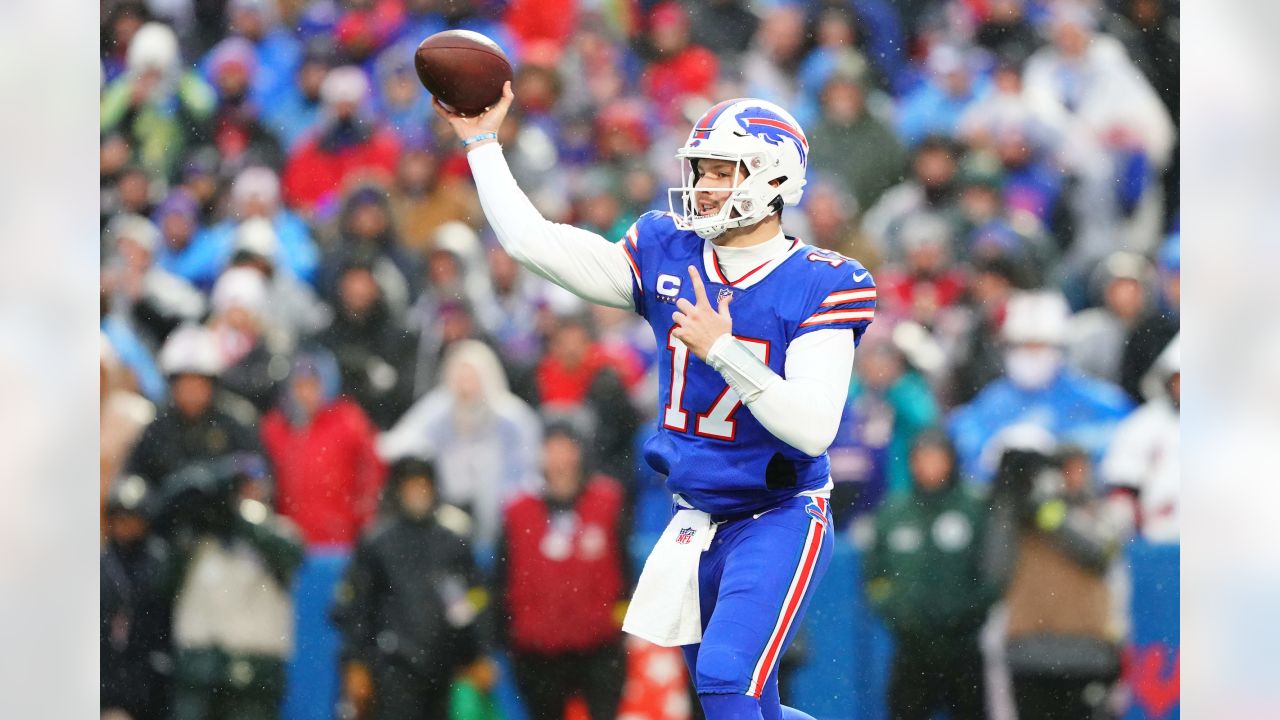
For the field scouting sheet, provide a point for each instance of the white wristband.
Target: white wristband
(744, 372)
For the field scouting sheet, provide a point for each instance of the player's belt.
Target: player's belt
(730, 517)
(822, 492)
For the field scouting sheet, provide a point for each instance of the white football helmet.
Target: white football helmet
(756, 134)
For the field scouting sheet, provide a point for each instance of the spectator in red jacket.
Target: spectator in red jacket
(579, 374)
(563, 582)
(321, 447)
(368, 26)
(345, 145)
(551, 22)
(574, 361)
(679, 69)
(926, 281)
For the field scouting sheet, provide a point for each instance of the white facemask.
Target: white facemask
(1032, 368)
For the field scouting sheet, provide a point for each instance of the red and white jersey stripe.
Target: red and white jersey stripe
(850, 296)
(835, 316)
(629, 244)
(631, 260)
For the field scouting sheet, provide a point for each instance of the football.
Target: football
(464, 70)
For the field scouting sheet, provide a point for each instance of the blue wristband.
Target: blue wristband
(480, 138)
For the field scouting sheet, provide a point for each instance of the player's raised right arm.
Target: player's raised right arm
(582, 262)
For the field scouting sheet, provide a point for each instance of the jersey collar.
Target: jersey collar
(754, 272)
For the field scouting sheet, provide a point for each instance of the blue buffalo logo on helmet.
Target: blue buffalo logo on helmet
(773, 129)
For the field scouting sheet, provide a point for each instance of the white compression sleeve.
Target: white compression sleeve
(577, 260)
(803, 410)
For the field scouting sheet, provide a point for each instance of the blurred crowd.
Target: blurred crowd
(312, 342)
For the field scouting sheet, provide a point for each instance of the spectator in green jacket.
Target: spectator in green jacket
(858, 147)
(924, 576)
(156, 104)
(230, 577)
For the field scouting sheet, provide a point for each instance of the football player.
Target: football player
(757, 332)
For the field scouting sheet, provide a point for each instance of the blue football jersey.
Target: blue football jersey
(713, 452)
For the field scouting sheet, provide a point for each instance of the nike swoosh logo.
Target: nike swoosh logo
(859, 277)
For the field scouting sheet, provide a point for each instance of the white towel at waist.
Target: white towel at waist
(665, 607)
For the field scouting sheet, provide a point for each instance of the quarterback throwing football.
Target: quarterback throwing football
(757, 332)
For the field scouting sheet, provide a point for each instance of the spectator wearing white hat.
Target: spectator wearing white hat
(1037, 388)
(253, 353)
(152, 299)
(155, 104)
(484, 440)
(1142, 463)
(256, 194)
(196, 424)
(345, 145)
(463, 275)
(231, 66)
(292, 306)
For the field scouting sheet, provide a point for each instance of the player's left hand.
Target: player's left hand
(700, 325)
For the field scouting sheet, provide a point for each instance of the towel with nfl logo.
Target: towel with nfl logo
(665, 607)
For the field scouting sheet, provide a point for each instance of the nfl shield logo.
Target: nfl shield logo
(686, 535)
(726, 293)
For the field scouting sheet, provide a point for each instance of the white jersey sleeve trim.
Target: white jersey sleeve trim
(577, 260)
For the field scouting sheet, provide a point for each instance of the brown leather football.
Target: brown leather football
(463, 69)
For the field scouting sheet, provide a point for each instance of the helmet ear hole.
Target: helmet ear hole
(776, 203)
